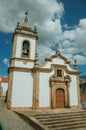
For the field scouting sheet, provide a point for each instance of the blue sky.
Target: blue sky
(74, 11)
(64, 22)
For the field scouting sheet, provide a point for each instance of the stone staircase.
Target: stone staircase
(56, 120)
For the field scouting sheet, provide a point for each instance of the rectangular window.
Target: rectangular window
(59, 73)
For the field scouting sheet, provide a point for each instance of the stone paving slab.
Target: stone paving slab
(11, 121)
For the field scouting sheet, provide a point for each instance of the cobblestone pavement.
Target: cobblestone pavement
(11, 121)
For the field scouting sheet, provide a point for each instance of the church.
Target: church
(52, 85)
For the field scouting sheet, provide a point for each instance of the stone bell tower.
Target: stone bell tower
(23, 60)
(24, 42)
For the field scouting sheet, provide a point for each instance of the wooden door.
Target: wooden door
(60, 98)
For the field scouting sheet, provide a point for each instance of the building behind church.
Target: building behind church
(51, 85)
(3, 88)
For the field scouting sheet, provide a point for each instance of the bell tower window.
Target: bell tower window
(25, 49)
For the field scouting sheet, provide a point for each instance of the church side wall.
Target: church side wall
(73, 92)
(22, 89)
(44, 90)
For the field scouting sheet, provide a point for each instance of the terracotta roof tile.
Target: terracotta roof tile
(4, 79)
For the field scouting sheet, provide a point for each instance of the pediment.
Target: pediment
(58, 55)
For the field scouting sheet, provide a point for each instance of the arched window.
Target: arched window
(25, 49)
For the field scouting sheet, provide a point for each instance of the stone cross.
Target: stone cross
(57, 46)
(26, 13)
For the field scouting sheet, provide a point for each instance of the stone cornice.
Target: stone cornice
(44, 70)
(66, 69)
(31, 35)
(22, 69)
(47, 70)
(22, 59)
(26, 30)
(76, 72)
(48, 59)
(58, 66)
(11, 69)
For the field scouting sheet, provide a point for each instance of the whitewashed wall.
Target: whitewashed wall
(22, 89)
(54, 61)
(73, 91)
(44, 90)
(19, 47)
(58, 61)
(26, 65)
(47, 65)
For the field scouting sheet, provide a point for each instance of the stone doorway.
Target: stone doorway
(60, 98)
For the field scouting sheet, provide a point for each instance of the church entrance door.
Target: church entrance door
(60, 98)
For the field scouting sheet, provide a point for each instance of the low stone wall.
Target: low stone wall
(83, 99)
(83, 96)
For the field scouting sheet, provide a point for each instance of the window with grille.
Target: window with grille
(59, 73)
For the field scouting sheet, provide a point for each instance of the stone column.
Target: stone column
(52, 95)
(68, 97)
(10, 83)
(78, 92)
(35, 88)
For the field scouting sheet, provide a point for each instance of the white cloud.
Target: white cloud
(81, 59)
(3, 76)
(41, 13)
(74, 42)
(6, 61)
(69, 35)
(44, 52)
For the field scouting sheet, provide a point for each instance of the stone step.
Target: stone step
(58, 121)
(52, 125)
(62, 121)
(46, 118)
(71, 127)
(42, 119)
(60, 114)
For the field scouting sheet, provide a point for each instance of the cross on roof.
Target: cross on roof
(57, 46)
(26, 13)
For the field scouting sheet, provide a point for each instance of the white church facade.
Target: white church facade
(51, 85)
